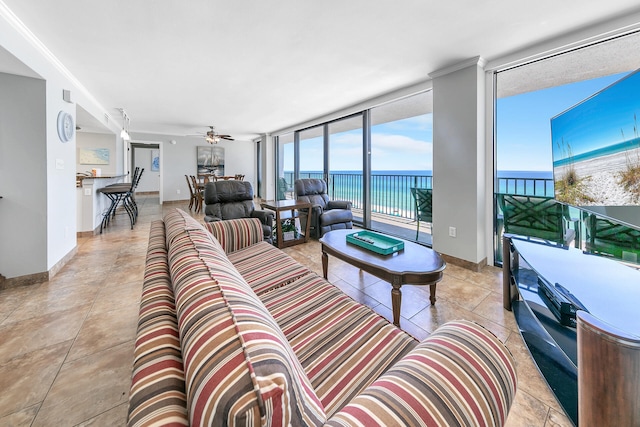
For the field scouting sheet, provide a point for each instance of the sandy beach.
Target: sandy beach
(602, 178)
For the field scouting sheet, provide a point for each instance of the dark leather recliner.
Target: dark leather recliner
(232, 200)
(326, 214)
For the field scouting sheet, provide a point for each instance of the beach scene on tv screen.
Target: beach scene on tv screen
(596, 147)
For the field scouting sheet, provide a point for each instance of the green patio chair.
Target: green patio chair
(423, 206)
(541, 217)
(608, 238)
(283, 188)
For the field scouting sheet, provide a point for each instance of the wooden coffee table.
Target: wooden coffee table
(414, 265)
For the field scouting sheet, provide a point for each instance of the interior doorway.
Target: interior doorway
(147, 155)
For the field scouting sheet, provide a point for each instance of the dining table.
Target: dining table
(209, 177)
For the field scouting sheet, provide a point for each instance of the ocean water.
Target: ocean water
(600, 152)
(391, 190)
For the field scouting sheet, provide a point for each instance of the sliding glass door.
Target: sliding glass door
(311, 158)
(401, 159)
(345, 163)
(285, 166)
(377, 180)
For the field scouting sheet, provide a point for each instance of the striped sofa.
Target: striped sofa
(233, 331)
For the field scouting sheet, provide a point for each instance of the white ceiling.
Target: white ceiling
(256, 66)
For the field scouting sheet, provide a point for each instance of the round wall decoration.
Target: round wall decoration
(65, 126)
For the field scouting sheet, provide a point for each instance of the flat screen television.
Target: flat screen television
(596, 152)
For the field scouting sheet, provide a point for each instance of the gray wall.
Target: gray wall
(179, 159)
(150, 180)
(23, 176)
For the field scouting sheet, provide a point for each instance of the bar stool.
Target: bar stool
(124, 193)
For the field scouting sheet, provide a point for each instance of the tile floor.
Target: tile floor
(66, 346)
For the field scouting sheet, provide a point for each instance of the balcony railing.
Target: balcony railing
(390, 193)
(525, 186)
(391, 198)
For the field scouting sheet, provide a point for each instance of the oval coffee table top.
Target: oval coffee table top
(413, 259)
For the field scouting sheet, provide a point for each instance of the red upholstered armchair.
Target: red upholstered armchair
(326, 214)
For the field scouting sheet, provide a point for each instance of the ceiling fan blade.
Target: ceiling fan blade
(227, 137)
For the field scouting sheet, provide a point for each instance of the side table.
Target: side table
(293, 206)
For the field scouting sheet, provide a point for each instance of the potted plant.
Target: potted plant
(289, 230)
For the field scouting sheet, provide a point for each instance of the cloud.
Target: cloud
(390, 151)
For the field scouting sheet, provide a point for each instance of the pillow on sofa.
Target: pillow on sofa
(239, 368)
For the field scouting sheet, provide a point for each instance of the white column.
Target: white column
(459, 166)
(268, 167)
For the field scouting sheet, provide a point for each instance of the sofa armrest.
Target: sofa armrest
(339, 204)
(460, 375)
(209, 218)
(265, 217)
(236, 234)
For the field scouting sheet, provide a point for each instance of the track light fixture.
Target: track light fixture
(126, 122)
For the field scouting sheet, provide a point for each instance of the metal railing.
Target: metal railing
(525, 186)
(390, 193)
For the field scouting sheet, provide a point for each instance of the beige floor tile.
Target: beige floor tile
(105, 329)
(22, 418)
(558, 419)
(12, 298)
(26, 379)
(51, 299)
(357, 278)
(88, 387)
(529, 378)
(39, 332)
(444, 311)
(125, 274)
(527, 411)
(113, 417)
(118, 296)
(491, 308)
(463, 292)
(356, 294)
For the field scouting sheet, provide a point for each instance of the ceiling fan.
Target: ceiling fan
(213, 137)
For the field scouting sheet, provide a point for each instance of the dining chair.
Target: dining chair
(192, 193)
(198, 189)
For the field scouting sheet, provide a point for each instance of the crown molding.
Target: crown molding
(476, 60)
(22, 30)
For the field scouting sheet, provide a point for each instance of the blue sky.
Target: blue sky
(600, 121)
(524, 122)
(523, 138)
(399, 145)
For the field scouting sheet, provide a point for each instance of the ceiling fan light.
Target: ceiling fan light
(125, 135)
